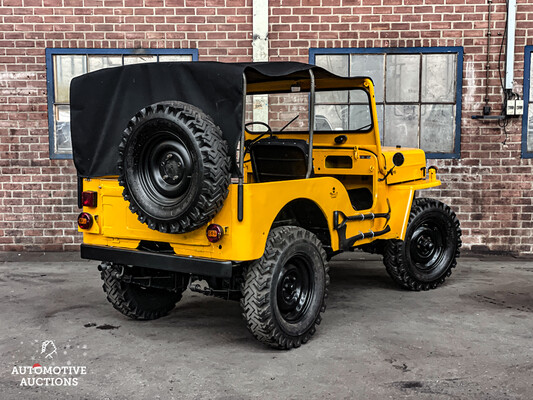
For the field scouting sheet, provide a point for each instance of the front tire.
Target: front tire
(428, 254)
(285, 291)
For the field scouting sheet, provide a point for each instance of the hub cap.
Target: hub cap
(295, 289)
(427, 246)
(171, 168)
(166, 166)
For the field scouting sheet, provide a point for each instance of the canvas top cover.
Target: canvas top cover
(102, 102)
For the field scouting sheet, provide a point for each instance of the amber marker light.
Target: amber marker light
(85, 220)
(214, 233)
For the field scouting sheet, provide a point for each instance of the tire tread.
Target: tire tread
(393, 255)
(255, 302)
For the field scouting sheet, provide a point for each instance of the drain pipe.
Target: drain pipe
(486, 108)
(509, 53)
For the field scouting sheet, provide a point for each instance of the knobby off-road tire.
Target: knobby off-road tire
(135, 301)
(428, 254)
(174, 167)
(285, 291)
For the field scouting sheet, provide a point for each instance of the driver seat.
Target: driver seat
(276, 159)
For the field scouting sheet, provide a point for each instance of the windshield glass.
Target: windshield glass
(341, 110)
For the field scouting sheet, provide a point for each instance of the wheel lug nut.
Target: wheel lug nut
(169, 156)
(175, 177)
(165, 176)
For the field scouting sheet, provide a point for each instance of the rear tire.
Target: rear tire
(137, 302)
(285, 291)
(428, 254)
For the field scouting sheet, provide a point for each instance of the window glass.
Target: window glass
(437, 123)
(529, 141)
(66, 65)
(331, 117)
(438, 77)
(128, 60)
(97, 62)
(360, 117)
(355, 115)
(401, 125)
(372, 65)
(337, 64)
(66, 68)
(530, 129)
(174, 58)
(402, 78)
(332, 97)
(415, 93)
(62, 128)
(283, 108)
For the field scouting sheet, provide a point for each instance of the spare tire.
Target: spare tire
(174, 167)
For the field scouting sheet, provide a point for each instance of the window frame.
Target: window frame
(50, 52)
(528, 53)
(313, 52)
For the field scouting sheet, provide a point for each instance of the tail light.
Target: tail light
(88, 199)
(214, 233)
(85, 220)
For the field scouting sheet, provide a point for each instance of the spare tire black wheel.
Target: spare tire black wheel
(174, 167)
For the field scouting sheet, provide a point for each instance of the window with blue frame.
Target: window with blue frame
(64, 64)
(527, 121)
(417, 92)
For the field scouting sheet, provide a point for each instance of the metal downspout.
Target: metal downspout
(509, 51)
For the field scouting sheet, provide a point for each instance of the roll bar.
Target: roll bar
(240, 189)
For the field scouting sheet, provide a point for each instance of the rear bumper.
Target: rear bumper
(167, 262)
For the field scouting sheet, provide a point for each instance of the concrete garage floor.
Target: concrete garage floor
(471, 338)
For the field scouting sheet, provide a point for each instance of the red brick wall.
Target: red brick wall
(490, 185)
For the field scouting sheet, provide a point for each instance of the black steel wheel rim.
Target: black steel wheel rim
(427, 245)
(295, 288)
(165, 167)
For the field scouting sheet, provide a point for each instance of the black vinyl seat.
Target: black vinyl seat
(279, 159)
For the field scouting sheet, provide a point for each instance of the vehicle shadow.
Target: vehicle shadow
(221, 320)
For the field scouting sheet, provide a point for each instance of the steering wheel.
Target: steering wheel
(269, 129)
(249, 143)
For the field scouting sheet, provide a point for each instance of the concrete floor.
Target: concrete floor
(471, 338)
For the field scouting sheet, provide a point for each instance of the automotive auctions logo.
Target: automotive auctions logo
(49, 375)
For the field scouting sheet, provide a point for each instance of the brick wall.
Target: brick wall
(490, 185)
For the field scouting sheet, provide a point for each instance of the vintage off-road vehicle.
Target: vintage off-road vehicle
(177, 188)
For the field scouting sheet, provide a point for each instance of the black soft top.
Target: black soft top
(102, 102)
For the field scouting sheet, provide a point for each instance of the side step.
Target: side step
(339, 224)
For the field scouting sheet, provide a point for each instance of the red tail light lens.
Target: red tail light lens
(214, 233)
(85, 220)
(88, 199)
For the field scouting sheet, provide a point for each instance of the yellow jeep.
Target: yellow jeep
(177, 188)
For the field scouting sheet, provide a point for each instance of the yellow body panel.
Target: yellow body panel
(245, 240)
(359, 162)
